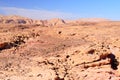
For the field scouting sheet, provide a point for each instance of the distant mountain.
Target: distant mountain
(14, 19)
(93, 19)
(23, 20)
(55, 21)
(86, 21)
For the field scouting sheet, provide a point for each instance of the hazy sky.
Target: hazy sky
(66, 9)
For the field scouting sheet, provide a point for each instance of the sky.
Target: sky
(65, 9)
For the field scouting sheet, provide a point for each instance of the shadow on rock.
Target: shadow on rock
(113, 61)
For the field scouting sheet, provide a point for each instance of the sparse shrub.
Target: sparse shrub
(17, 40)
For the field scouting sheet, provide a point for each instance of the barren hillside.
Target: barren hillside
(57, 49)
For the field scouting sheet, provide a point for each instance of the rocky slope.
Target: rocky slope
(62, 52)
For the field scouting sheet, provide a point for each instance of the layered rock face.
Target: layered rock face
(22, 20)
(58, 49)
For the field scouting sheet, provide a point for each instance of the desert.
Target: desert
(57, 49)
